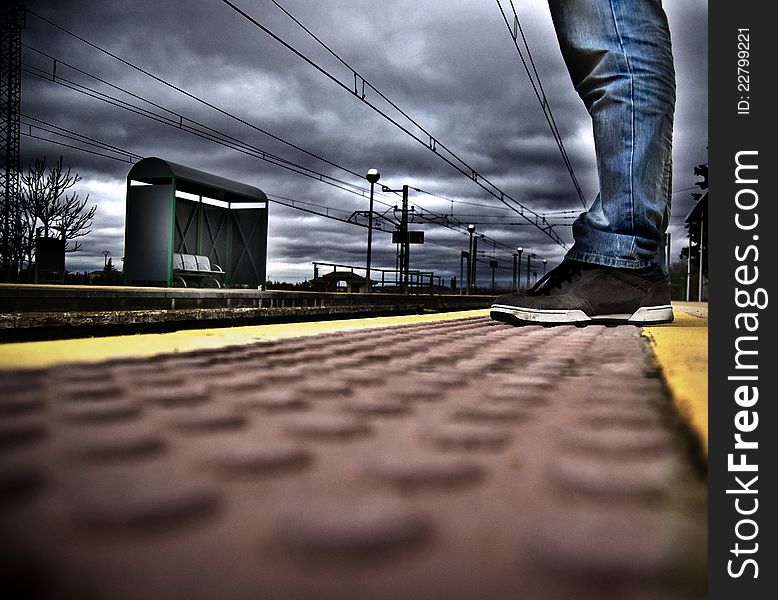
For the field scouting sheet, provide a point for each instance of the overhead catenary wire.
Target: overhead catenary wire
(191, 126)
(540, 92)
(32, 122)
(295, 204)
(180, 122)
(441, 220)
(428, 140)
(180, 117)
(63, 144)
(220, 137)
(57, 130)
(130, 157)
(453, 201)
(190, 95)
(547, 214)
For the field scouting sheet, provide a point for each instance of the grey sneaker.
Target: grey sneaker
(582, 293)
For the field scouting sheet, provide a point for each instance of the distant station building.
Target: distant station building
(339, 281)
(191, 228)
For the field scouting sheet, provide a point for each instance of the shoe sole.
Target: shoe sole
(647, 315)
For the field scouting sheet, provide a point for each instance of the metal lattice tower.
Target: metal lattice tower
(12, 21)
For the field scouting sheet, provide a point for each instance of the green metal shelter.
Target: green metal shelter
(174, 209)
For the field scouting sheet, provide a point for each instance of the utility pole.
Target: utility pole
(404, 245)
(528, 270)
(403, 242)
(372, 176)
(462, 255)
(12, 21)
(473, 262)
(471, 231)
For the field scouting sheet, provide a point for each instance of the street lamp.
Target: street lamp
(372, 176)
(471, 230)
(518, 268)
(544, 267)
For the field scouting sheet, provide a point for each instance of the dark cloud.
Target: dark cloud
(450, 65)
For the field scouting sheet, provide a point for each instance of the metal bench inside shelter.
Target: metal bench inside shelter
(195, 267)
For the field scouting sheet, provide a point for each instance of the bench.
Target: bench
(194, 266)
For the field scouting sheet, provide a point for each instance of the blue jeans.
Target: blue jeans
(619, 57)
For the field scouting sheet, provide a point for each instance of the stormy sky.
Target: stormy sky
(450, 66)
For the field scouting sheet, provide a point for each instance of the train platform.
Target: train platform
(427, 456)
(38, 311)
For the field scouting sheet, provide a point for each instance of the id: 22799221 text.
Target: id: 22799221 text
(743, 71)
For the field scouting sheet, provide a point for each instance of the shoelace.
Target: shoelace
(564, 272)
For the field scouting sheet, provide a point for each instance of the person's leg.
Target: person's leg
(619, 57)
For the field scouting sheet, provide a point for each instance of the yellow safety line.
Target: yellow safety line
(31, 355)
(681, 348)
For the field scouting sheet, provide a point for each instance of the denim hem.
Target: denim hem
(609, 261)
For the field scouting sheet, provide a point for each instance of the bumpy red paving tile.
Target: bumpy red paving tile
(133, 442)
(465, 437)
(120, 409)
(408, 473)
(360, 532)
(453, 459)
(247, 454)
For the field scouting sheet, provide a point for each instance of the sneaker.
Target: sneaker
(583, 293)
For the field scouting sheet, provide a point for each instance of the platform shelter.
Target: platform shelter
(173, 209)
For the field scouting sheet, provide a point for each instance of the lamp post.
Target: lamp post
(518, 268)
(544, 267)
(372, 176)
(471, 231)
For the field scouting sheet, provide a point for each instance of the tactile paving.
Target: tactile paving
(457, 459)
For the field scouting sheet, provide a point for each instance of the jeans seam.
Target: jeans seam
(632, 120)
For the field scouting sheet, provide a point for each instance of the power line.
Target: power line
(192, 96)
(36, 137)
(429, 141)
(540, 93)
(181, 119)
(190, 126)
(463, 202)
(138, 110)
(513, 223)
(281, 200)
(53, 129)
(72, 135)
(131, 157)
(181, 122)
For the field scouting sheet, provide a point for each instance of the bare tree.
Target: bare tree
(50, 205)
